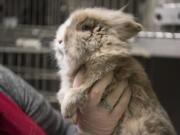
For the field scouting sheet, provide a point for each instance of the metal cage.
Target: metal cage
(52, 12)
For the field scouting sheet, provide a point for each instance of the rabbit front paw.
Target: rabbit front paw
(70, 103)
(69, 107)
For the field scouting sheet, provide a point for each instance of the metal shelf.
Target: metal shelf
(156, 44)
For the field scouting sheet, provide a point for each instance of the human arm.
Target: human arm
(33, 104)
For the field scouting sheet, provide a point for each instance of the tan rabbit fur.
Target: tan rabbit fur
(96, 39)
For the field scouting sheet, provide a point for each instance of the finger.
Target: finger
(79, 78)
(99, 88)
(122, 105)
(113, 97)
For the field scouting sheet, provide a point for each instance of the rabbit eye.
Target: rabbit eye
(60, 41)
(86, 27)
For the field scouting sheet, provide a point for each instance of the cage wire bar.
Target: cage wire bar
(34, 66)
(52, 12)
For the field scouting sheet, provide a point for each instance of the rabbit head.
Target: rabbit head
(92, 30)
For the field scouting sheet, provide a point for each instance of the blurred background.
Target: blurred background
(27, 28)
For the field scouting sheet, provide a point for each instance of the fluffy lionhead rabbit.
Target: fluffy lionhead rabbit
(96, 39)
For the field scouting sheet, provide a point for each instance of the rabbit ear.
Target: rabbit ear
(122, 9)
(128, 28)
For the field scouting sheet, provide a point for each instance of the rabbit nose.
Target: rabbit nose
(60, 41)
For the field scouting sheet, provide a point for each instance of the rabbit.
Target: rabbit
(96, 39)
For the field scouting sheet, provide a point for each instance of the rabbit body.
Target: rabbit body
(96, 39)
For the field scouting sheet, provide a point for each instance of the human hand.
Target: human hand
(94, 119)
